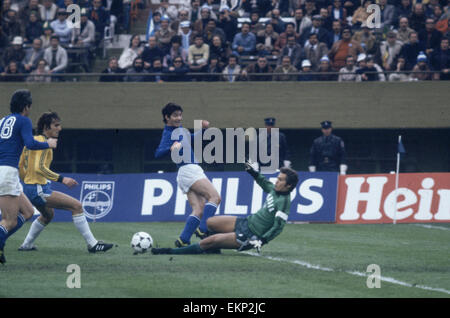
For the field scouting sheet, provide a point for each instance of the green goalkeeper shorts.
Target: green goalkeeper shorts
(242, 231)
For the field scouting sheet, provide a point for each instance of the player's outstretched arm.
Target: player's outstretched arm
(265, 184)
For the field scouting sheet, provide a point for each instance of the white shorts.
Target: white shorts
(187, 175)
(9, 181)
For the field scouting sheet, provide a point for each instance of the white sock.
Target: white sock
(83, 227)
(35, 229)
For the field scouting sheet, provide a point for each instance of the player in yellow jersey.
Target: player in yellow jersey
(34, 169)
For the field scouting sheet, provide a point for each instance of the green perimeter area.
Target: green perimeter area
(409, 253)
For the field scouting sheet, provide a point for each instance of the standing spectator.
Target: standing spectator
(56, 57)
(301, 22)
(151, 52)
(48, 10)
(198, 55)
(130, 53)
(283, 72)
(100, 17)
(343, 48)
(15, 52)
(325, 68)
(401, 75)
(177, 71)
(165, 9)
(440, 61)
(11, 24)
(293, 50)
(34, 29)
(421, 66)
(417, 18)
(411, 50)
(328, 151)
(164, 35)
(113, 68)
(232, 71)
(38, 75)
(314, 50)
(62, 27)
(260, 67)
(430, 38)
(389, 50)
(387, 14)
(348, 72)
(305, 74)
(12, 73)
(33, 55)
(227, 23)
(244, 43)
(137, 73)
(404, 30)
(175, 51)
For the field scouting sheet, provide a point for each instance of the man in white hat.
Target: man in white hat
(187, 35)
(306, 70)
(15, 52)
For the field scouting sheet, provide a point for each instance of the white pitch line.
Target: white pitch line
(355, 273)
(433, 227)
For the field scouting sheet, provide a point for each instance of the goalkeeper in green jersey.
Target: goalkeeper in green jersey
(232, 232)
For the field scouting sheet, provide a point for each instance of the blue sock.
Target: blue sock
(20, 221)
(208, 211)
(191, 225)
(3, 236)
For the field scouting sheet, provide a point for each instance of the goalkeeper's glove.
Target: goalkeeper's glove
(251, 167)
(256, 243)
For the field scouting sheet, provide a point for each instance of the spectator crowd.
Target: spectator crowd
(246, 40)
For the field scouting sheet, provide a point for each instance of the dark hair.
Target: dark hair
(45, 121)
(132, 38)
(291, 177)
(54, 37)
(19, 100)
(175, 39)
(169, 109)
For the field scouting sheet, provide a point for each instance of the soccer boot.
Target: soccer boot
(180, 243)
(200, 234)
(27, 249)
(100, 247)
(158, 251)
(2, 257)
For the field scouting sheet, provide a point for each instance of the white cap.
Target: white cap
(224, 8)
(361, 57)
(306, 63)
(325, 58)
(185, 24)
(17, 40)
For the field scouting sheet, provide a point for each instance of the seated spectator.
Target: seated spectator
(361, 15)
(441, 19)
(34, 29)
(336, 30)
(275, 20)
(266, 38)
(154, 25)
(262, 6)
(198, 55)
(175, 51)
(100, 17)
(244, 43)
(301, 22)
(430, 38)
(157, 69)
(130, 53)
(164, 35)
(289, 31)
(12, 73)
(11, 24)
(15, 52)
(255, 25)
(421, 66)
(401, 74)
(387, 14)
(220, 50)
(227, 23)
(205, 14)
(232, 71)
(404, 9)
(283, 72)
(367, 39)
(323, 35)
(85, 35)
(32, 5)
(177, 72)
(314, 50)
(187, 35)
(305, 73)
(388, 51)
(309, 8)
(4, 42)
(46, 37)
(343, 48)
(214, 69)
(165, 9)
(337, 11)
(260, 67)
(183, 15)
(327, 20)
(56, 58)
(113, 68)
(348, 72)
(211, 30)
(151, 52)
(293, 50)
(48, 10)
(403, 30)
(37, 75)
(369, 72)
(411, 50)
(62, 27)
(440, 61)
(195, 11)
(325, 67)
(417, 17)
(137, 73)
(33, 55)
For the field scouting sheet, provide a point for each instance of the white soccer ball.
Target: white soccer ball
(141, 242)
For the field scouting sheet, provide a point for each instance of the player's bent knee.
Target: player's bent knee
(77, 208)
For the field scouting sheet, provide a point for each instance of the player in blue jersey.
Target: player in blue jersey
(201, 194)
(15, 133)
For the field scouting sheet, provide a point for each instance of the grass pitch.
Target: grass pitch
(306, 260)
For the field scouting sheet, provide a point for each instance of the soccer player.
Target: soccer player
(15, 132)
(34, 168)
(232, 232)
(201, 194)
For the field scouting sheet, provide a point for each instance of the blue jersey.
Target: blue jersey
(167, 142)
(15, 132)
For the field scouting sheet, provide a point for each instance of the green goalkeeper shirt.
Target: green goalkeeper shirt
(269, 221)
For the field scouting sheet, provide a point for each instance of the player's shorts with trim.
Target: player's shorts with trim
(37, 193)
(9, 181)
(188, 175)
(242, 231)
